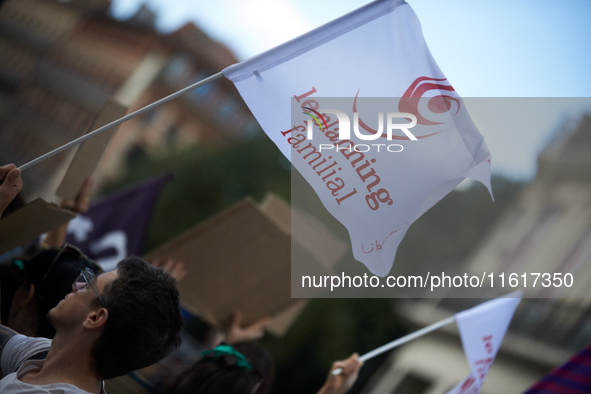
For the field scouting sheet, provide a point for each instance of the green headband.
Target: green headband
(228, 350)
(18, 263)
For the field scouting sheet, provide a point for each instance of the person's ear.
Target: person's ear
(96, 319)
(29, 296)
(24, 299)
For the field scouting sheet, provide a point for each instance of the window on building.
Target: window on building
(176, 69)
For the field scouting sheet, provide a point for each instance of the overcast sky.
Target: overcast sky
(502, 48)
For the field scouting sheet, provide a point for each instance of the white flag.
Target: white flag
(482, 329)
(376, 183)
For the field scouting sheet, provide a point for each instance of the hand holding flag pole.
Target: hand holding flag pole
(481, 328)
(401, 341)
(123, 119)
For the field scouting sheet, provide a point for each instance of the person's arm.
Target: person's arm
(10, 185)
(17, 348)
(236, 332)
(57, 237)
(5, 335)
(20, 350)
(341, 383)
(175, 268)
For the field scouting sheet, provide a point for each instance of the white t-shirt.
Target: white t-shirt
(14, 365)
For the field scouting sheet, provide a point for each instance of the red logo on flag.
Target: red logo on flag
(438, 104)
(412, 101)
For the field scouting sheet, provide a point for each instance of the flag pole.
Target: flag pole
(121, 120)
(400, 341)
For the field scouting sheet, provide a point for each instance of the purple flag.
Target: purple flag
(116, 226)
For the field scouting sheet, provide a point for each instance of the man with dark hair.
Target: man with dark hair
(124, 347)
(108, 326)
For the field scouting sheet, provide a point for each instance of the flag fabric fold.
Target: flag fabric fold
(377, 51)
(482, 329)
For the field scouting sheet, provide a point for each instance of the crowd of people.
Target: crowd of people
(67, 326)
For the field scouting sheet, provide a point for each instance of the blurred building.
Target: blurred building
(547, 230)
(61, 61)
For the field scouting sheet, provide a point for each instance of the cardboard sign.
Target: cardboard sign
(29, 222)
(282, 322)
(89, 153)
(241, 260)
(311, 236)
